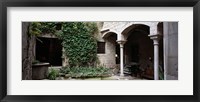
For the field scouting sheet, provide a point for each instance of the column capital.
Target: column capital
(121, 42)
(155, 36)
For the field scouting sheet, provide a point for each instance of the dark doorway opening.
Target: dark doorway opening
(117, 51)
(135, 53)
(139, 49)
(49, 50)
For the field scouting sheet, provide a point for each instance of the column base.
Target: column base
(121, 75)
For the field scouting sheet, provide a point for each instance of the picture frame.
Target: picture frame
(100, 3)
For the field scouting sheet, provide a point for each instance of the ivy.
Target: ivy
(77, 40)
(38, 28)
(79, 44)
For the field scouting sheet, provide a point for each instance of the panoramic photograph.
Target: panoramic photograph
(100, 50)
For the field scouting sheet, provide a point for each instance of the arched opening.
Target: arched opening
(138, 27)
(139, 50)
(113, 46)
(139, 47)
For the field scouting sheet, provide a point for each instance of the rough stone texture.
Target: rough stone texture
(27, 52)
(108, 59)
(170, 43)
(105, 34)
(170, 39)
(98, 35)
(121, 28)
(40, 71)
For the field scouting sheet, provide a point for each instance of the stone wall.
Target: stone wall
(98, 35)
(121, 28)
(27, 52)
(108, 58)
(170, 39)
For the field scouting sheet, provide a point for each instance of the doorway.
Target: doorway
(49, 50)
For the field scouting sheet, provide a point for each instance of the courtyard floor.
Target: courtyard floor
(113, 77)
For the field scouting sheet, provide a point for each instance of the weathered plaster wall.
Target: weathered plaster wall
(170, 39)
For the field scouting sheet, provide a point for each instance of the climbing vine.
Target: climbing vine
(77, 40)
(79, 44)
(37, 28)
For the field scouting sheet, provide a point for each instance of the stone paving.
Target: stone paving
(114, 77)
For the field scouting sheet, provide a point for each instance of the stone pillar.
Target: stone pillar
(156, 39)
(121, 43)
(27, 52)
(170, 37)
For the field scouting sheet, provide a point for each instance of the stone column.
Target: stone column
(156, 39)
(121, 43)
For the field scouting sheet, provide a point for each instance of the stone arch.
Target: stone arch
(109, 57)
(139, 27)
(139, 47)
(107, 34)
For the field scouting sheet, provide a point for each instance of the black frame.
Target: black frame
(98, 3)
